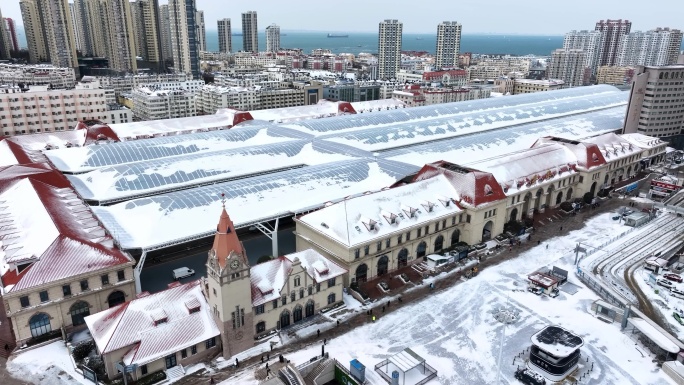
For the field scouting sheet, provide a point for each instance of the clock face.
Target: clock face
(234, 264)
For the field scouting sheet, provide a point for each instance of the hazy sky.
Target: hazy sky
(494, 16)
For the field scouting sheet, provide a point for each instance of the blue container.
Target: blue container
(357, 370)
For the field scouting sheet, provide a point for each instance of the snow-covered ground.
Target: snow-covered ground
(455, 331)
(47, 365)
(662, 300)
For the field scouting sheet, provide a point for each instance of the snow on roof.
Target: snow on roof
(478, 114)
(483, 145)
(132, 324)
(643, 141)
(147, 177)
(474, 187)
(82, 159)
(269, 278)
(360, 220)
(654, 334)
(133, 130)
(152, 222)
(406, 360)
(47, 225)
(542, 279)
(7, 157)
(377, 105)
(557, 341)
(521, 170)
(614, 147)
(323, 108)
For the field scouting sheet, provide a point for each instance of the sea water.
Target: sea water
(368, 42)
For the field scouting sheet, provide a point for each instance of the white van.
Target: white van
(665, 283)
(182, 272)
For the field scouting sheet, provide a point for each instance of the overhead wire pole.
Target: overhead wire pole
(272, 233)
(137, 270)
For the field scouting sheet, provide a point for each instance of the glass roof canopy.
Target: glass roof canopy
(126, 181)
(82, 159)
(347, 122)
(410, 133)
(152, 222)
(483, 145)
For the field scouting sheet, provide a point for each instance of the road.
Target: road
(156, 277)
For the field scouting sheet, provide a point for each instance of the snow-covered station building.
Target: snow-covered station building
(142, 180)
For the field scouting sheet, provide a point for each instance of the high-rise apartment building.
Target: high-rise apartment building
(89, 14)
(5, 40)
(389, 48)
(79, 38)
(657, 47)
(612, 32)
(120, 36)
(567, 65)
(272, 38)
(33, 27)
(448, 44)
(201, 31)
(165, 32)
(225, 36)
(148, 45)
(655, 103)
(11, 27)
(184, 40)
(587, 41)
(250, 32)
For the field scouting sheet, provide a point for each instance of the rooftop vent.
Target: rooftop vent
(325, 225)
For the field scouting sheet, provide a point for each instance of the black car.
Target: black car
(529, 377)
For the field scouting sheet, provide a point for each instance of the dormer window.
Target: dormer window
(429, 206)
(391, 218)
(488, 190)
(371, 225)
(410, 212)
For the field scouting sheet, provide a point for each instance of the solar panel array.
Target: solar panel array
(385, 137)
(345, 122)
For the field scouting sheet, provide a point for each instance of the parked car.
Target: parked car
(534, 290)
(554, 293)
(665, 283)
(673, 277)
(529, 377)
(182, 272)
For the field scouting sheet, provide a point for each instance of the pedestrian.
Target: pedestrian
(237, 363)
(268, 356)
(388, 303)
(262, 359)
(383, 308)
(318, 332)
(211, 380)
(547, 246)
(266, 365)
(538, 242)
(373, 318)
(325, 341)
(338, 322)
(400, 300)
(561, 229)
(7, 348)
(510, 248)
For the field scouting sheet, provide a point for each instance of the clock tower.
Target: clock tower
(229, 291)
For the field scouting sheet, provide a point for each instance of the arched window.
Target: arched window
(309, 310)
(331, 298)
(261, 327)
(39, 324)
(420, 251)
(284, 319)
(439, 242)
(78, 312)
(455, 237)
(402, 260)
(361, 273)
(116, 298)
(297, 314)
(383, 263)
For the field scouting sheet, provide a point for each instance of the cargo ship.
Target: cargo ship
(336, 35)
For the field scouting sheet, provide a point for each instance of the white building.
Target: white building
(126, 84)
(33, 110)
(184, 40)
(250, 32)
(119, 35)
(589, 42)
(37, 74)
(657, 47)
(567, 65)
(153, 104)
(225, 36)
(389, 46)
(272, 38)
(448, 44)
(212, 98)
(612, 33)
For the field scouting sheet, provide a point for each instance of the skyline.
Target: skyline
(469, 13)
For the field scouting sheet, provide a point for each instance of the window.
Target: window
(419, 232)
(105, 279)
(275, 303)
(366, 250)
(379, 246)
(24, 301)
(44, 296)
(408, 235)
(356, 253)
(284, 300)
(453, 221)
(261, 327)
(427, 229)
(388, 242)
(143, 370)
(211, 342)
(444, 224)
(84, 285)
(399, 239)
(297, 281)
(301, 293)
(214, 289)
(259, 309)
(331, 282)
(436, 226)
(171, 361)
(310, 290)
(318, 287)
(293, 296)
(331, 298)
(66, 290)
(184, 353)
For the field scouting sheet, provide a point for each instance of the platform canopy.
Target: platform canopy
(406, 360)
(655, 335)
